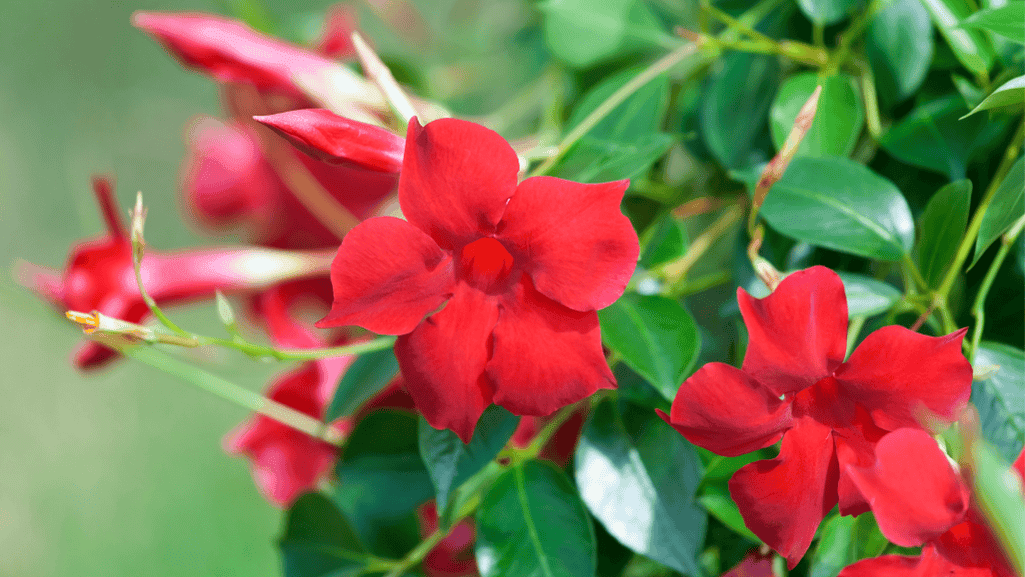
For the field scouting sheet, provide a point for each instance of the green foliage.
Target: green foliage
(734, 105)
(838, 120)
(365, 377)
(899, 45)
(969, 46)
(582, 33)
(1003, 20)
(844, 540)
(1000, 399)
(941, 228)
(932, 136)
(1010, 93)
(1007, 206)
(664, 240)
(826, 11)
(320, 541)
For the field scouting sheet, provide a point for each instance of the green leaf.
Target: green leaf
(969, 46)
(655, 336)
(319, 541)
(839, 204)
(640, 482)
(449, 462)
(941, 227)
(1009, 93)
(1006, 207)
(591, 160)
(717, 501)
(825, 11)
(931, 137)
(1007, 21)
(531, 523)
(838, 120)
(899, 44)
(640, 114)
(735, 104)
(582, 32)
(364, 378)
(1000, 399)
(844, 540)
(664, 240)
(998, 491)
(381, 480)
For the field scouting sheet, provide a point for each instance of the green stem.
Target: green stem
(617, 98)
(978, 308)
(1010, 155)
(417, 554)
(868, 94)
(852, 33)
(380, 343)
(918, 281)
(735, 24)
(233, 393)
(853, 330)
(137, 252)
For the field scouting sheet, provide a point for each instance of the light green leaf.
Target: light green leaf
(1007, 21)
(941, 228)
(1006, 207)
(591, 160)
(582, 33)
(845, 540)
(1009, 93)
(663, 240)
(932, 137)
(640, 114)
(825, 11)
(838, 120)
(1000, 399)
(969, 46)
(899, 44)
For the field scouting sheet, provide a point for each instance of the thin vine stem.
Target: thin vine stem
(978, 308)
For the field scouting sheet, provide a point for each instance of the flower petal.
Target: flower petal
(855, 446)
(332, 138)
(456, 179)
(387, 276)
(545, 355)
(929, 564)
(783, 500)
(443, 361)
(798, 334)
(914, 492)
(573, 239)
(727, 412)
(897, 373)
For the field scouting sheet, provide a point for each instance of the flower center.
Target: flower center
(485, 264)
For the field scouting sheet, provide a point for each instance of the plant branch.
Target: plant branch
(978, 308)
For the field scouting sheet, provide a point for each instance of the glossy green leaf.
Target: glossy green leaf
(941, 227)
(1007, 21)
(825, 11)
(319, 541)
(1007, 206)
(969, 46)
(1009, 93)
(640, 114)
(449, 462)
(717, 501)
(866, 296)
(593, 160)
(1000, 399)
(582, 33)
(364, 378)
(932, 137)
(839, 204)
(664, 240)
(998, 492)
(655, 336)
(531, 523)
(381, 481)
(640, 483)
(845, 540)
(899, 43)
(838, 119)
(735, 104)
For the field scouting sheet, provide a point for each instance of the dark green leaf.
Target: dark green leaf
(969, 46)
(1009, 93)
(1007, 21)
(1001, 398)
(381, 480)
(655, 336)
(531, 523)
(582, 33)
(866, 296)
(640, 483)
(844, 540)
(735, 104)
(449, 462)
(593, 160)
(319, 541)
(931, 137)
(839, 204)
(825, 11)
(664, 240)
(941, 227)
(717, 501)
(899, 44)
(1007, 206)
(639, 115)
(838, 119)
(364, 378)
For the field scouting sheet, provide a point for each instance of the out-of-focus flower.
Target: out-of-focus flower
(563, 443)
(453, 556)
(520, 270)
(100, 275)
(968, 549)
(754, 564)
(830, 414)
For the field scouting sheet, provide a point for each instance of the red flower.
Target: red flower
(754, 564)
(830, 414)
(100, 275)
(521, 270)
(453, 556)
(968, 549)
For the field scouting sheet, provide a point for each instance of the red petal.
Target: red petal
(387, 276)
(972, 544)
(754, 564)
(929, 564)
(545, 355)
(783, 500)
(456, 179)
(339, 24)
(572, 239)
(896, 373)
(443, 361)
(915, 494)
(855, 446)
(332, 138)
(727, 412)
(798, 334)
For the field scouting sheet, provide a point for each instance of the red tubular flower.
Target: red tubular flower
(830, 414)
(453, 556)
(100, 275)
(332, 138)
(521, 270)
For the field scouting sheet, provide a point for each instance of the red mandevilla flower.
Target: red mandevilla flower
(795, 385)
(520, 270)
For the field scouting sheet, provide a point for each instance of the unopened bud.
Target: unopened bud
(226, 313)
(138, 223)
(97, 324)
